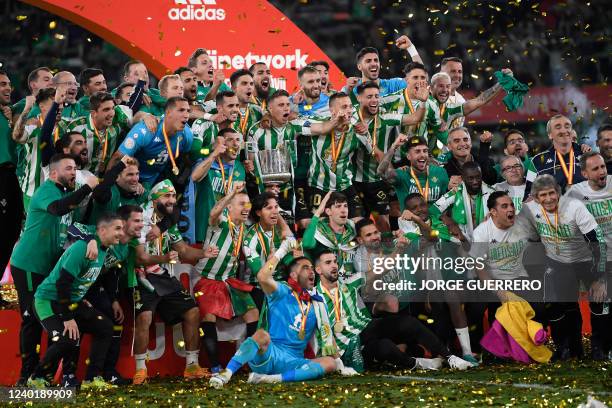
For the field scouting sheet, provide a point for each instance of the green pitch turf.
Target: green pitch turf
(512, 385)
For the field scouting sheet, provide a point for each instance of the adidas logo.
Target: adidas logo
(196, 10)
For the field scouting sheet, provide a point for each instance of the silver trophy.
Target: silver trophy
(275, 165)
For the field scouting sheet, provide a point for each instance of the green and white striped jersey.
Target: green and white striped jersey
(447, 112)
(204, 136)
(383, 130)
(100, 145)
(353, 312)
(335, 173)
(29, 161)
(258, 246)
(228, 237)
(400, 102)
(247, 118)
(272, 138)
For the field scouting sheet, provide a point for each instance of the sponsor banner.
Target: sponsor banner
(543, 102)
(163, 33)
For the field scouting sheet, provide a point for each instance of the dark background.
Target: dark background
(546, 43)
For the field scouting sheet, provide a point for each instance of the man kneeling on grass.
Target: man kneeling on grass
(277, 355)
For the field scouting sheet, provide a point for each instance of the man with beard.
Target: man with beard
(501, 242)
(262, 239)
(159, 290)
(279, 132)
(101, 131)
(363, 341)
(561, 160)
(60, 307)
(446, 112)
(39, 78)
(382, 128)
(514, 145)
(309, 100)
(92, 80)
(604, 143)
(210, 82)
(405, 100)
(331, 165)
(429, 180)
(155, 150)
(323, 68)
(190, 90)
(596, 194)
(219, 292)
(250, 113)
(49, 216)
(466, 205)
(27, 132)
(261, 80)
(514, 184)
(216, 176)
(461, 152)
(575, 252)
(334, 233)
(123, 189)
(275, 352)
(368, 63)
(453, 66)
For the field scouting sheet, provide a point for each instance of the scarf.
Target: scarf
(515, 90)
(462, 210)
(327, 237)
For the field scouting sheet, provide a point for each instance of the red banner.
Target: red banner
(164, 33)
(543, 102)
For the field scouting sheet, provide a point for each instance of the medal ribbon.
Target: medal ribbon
(425, 193)
(336, 301)
(569, 174)
(236, 243)
(262, 242)
(229, 181)
(304, 315)
(169, 148)
(556, 227)
(336, 149)
(244, 120)
(105, 149)
(375, 133)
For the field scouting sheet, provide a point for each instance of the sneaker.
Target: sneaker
(219, 380)
(457, 363)
(97, 383)
(37, 383)
(255, 378)
(69, 381)
(216, 369)
(429, 363)
(140, 377)
(194, 371)
(113, 377)
(472, 359)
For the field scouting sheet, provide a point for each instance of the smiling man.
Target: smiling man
(575, 252)
(382, 128)
(514, 184)
(561, 160)
(163, 149)
(49, 216)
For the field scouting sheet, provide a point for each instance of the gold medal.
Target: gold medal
(301, 335)
(175, 171)
(338, 327)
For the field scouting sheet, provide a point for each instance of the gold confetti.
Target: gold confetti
(180, 343)
(52, 25)
(21, 18)
(177, 52)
